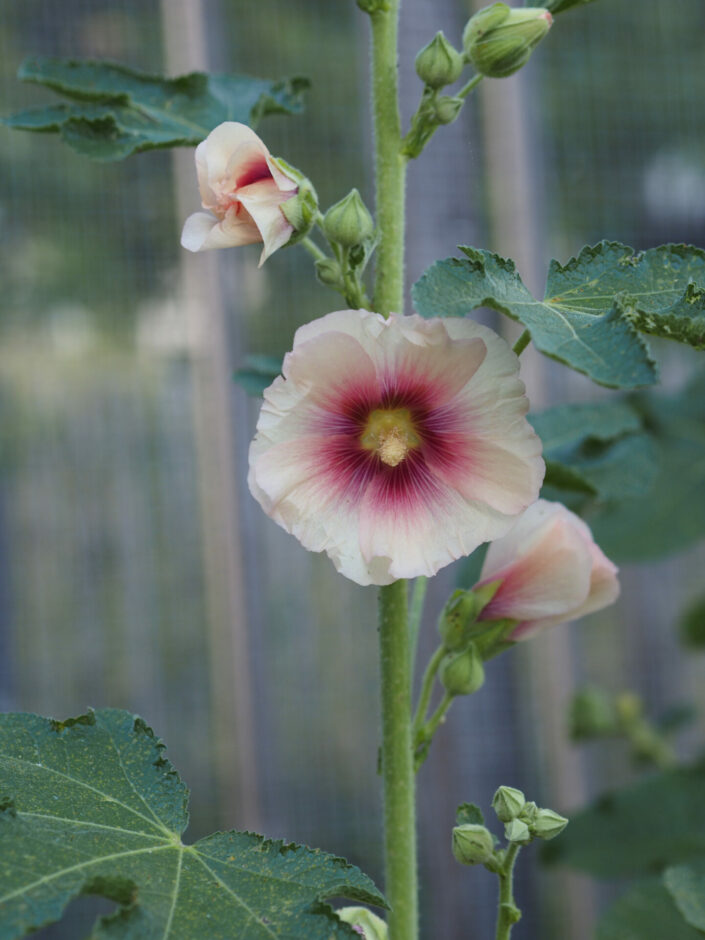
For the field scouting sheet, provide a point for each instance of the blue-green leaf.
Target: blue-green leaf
(116, 111)
(639, 830)
(595, 306)
(257, 373)
(686, 885)
(91, 806)
(604, 345)
(598, 449)
(645, 912)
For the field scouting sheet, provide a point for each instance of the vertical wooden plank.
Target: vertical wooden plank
(185, 42)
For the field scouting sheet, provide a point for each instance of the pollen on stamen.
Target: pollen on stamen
(393, 447)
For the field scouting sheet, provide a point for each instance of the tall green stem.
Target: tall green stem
(390, 164)
(397, 757)
(397, 763)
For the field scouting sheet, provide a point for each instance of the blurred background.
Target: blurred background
(135, 569)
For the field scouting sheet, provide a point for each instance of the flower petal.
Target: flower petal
(262, 201)
(202, 231)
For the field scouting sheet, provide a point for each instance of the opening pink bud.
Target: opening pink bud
(551, 571)
(242, 187)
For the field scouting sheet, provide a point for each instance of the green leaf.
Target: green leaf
(671, 515)
(91, 806)
(602, 343)
(597, 449)
(686, 884)
(258, 373)
(692, 625)
(116, 111)
(469, 814)
(645, 912)
(560, 6)
(638, 830)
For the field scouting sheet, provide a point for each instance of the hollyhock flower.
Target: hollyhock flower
(551, 571)
(242, 187)
(396, 446)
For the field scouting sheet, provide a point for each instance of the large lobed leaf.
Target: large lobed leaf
(116, 111)
(686, 885)
(595, 306)
(91, 806)
(639, 830)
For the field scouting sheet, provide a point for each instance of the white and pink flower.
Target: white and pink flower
(551, 571)
(242, 187)
(396, 446)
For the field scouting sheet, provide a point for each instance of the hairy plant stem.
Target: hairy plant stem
(427, 688)
(397, 763)
(312, 248)
(395, 660)
(507, 911)
(390, 164)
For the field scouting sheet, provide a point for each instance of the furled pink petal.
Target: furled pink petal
(367, 445)
(242, 187)
(202, 231)
(550, 570)
(262, 200)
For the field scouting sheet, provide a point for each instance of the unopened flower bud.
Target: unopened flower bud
(462, 673)
(472, 844)
(548, 824)
(439, 64)
(507, 803)
(348, 222)
(517, 831)
(592, 714)
(500, 39)
(299, 211)
(447, 109)
(328, 272)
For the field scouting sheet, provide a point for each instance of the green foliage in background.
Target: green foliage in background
(646, 912)
(92, 806)
(117, 111)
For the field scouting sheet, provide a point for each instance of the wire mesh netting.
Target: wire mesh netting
(134, 569)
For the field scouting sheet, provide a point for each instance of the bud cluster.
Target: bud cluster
(524, 821)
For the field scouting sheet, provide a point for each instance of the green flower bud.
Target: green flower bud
(372, 927)
(447, 109)
(328, 272)
(462, 673)
(517, 831)
(528, 813)
(472, 844)
(300, 211)
(548, 824)
(438, 63)
(348, 222)
(500, 39)
(507, 803)
(592, 715)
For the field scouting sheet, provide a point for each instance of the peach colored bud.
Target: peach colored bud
(242, 186)
(551, 571)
